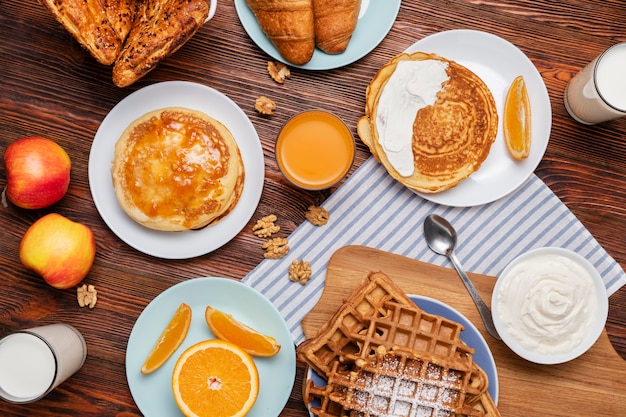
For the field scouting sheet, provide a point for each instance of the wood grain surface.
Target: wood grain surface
(50, 86)
(582, 384)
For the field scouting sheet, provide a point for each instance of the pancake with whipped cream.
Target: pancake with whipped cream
(177, 169)
(429, 120)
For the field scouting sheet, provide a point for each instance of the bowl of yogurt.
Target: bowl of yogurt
(549, 305)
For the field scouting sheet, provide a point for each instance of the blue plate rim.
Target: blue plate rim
(259, 312)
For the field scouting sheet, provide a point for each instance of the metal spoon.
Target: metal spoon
(441, 238)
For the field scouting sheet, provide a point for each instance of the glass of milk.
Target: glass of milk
(35, 361)
(598, 92)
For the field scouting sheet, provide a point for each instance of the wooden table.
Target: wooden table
(51, 87)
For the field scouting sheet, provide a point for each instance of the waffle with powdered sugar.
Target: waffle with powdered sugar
(379, 317)
(397, 383)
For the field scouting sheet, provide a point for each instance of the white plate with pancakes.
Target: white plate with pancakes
(376, 18)
(153, 392)
(470, 335)
(497, 62)
(186, 244)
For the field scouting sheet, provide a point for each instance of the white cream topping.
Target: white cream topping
(547, 303)
(412, 86)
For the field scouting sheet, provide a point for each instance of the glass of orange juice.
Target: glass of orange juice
(315, 150)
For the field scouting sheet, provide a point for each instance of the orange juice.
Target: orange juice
(315, 150)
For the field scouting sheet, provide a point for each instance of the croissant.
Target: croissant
(289, 25)
(99, 26)
(335, 21)
(160, 28)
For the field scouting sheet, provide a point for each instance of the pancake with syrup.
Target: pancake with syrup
(177, 169)
(429, 120)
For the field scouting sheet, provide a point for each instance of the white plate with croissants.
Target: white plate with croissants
(319, 37)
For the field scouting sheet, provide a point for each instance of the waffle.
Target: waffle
(377, 317)
(335, 338)
(397, 383)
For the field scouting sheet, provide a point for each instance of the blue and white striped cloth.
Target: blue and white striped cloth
(372, 209)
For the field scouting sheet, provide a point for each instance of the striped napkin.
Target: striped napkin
(372, 209)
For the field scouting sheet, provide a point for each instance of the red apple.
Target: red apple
(58, 249)
(38, 172)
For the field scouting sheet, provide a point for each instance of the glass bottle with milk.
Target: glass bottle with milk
(598, 92)
(35, 361)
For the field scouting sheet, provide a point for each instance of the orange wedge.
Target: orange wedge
(215, 378)
(170, 339)
(516, 125)
(226, 327)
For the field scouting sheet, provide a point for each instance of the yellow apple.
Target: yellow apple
(59, 250)
(38, 172)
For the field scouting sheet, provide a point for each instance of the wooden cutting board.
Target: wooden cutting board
(592, 385)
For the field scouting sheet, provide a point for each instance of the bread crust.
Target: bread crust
(289, 25)
(101, 27)
(335, 21)
(160, 28)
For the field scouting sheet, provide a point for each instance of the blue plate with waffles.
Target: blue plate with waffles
(470, 335)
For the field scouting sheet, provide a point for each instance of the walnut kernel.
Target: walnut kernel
(278, 71)
(265, 226)
(275, 248)
(265, 105)
(87, 296)
(300, 271)
(317, 215)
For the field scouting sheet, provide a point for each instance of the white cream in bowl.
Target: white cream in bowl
(549, 305)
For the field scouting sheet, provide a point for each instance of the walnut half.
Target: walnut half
(275, 248)
(300, 271)
(317, 215)
(87, 296)
(278, 71)
(265, 105)
(265, 226)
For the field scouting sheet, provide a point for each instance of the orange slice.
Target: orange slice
(215, 378)
(226, 327)
(517, 119)
(170, 339)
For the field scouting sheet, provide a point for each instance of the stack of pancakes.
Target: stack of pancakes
(177, 169)
(450, 138)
